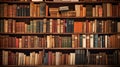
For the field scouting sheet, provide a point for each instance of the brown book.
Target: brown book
(53, 58)
(100, 11)
(49, 58)
(88, 41)
(104, 9)
(46, 10)
(22, 27)
(31, 9)
(5, 10)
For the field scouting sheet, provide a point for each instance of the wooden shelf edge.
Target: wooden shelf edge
(64, 48)
(21, 48)
(55, 33)
(82, 2)
(60, 66)
(50, 17)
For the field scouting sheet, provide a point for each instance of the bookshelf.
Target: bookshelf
(59, 33)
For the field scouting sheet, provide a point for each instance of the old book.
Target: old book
(2, 26)
(89, 10)
(5, 57)
(5, 26)
(78, 27)
(63, 8)
(109, 9)
(36, 0)
(93, 12)
(84, 41)
(88, 41)
(118, 26)
(5, 10)
(104, 9)
(77, 9)
(42, 9)
(95, 41)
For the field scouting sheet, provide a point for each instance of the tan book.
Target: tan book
(93, 12)
(73, 41)
(51, 23)
(44, 25)
(27, 60)
(31, 9)
(36, 58)
(20, 43)
(5, 25)
(84, 41)
(58, 25)
(109, 11)
(118, 26)
(77, 9)
(91, 41)
(84, 11)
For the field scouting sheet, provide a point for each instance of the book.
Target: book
(78, 27)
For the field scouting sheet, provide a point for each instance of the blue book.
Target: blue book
(42, 9)
(41, 26)
(45, 62)
(96, 40)
(37, 26)
(67, 26)
(71, 25)
(80, 41)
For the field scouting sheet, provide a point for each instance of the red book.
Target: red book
(78, 27)
(17, 42)
(49, 58)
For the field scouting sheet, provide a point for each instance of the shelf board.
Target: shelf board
(83, 17)
(21, 48)
(15, 2)
(59, 48)
(22, 17)
(55, 33)
(49, 17)
(21, 33)
(63, 48)
(85, 65)
(103, 48)
(80, 2)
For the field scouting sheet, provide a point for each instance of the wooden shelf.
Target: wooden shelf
(80, 2)
(21, 17)
(21, 48)
(56, 33)
(15, 2)
(20, 2)
(83, 17)
(61, 66)
(103, 48)
(64, 48)
(49, 17)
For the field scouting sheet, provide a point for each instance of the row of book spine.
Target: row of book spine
(40, 10)
(47, 58)
(13, 10)
(59, 26)
(56, 41)
(59, 58)
(103, 58)
(80, 10)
